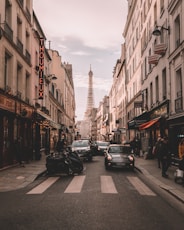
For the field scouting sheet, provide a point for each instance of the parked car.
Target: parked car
(83, 149)
(101, 147)
(119, 156)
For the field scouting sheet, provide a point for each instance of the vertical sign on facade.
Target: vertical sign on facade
(41, 69)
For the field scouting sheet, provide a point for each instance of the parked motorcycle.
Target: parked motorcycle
(64, 162)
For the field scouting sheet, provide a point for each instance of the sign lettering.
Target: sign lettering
(41, 69)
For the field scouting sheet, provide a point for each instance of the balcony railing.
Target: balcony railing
(28, 57)
(19, 94)
(28, 14)
(19, 45)
(160, 48)
(153, 59)
(21, 2)
(8, 31)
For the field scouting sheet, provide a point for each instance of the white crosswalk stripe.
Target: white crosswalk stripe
(75, 185)
(140, 186)
(43, 186)
(107, 185)
(106, 182)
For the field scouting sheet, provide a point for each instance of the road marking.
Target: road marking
(75, 185)
(107, 185)
(43, 186)
(140, 186)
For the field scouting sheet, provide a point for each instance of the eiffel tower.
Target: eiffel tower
(90, 100)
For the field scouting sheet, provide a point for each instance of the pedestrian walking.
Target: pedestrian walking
(61, 144)
(157, 152)
(164, 156)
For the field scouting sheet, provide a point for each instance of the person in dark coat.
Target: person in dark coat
(164, 156)
(157, 150)
(61, 144)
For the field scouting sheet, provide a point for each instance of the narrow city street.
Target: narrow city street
(96, 199)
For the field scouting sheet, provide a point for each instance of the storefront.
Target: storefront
(157, 125)
(15, 122)
(176, 134)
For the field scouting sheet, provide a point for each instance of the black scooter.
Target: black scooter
(64, 162)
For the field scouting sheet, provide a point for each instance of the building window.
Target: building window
(157, 89)
(7, 71)
(27, 86)
(161, 6)
(178, 83)
(19, 35)
(19, 81)
(151, 93)
(177, 31)
(155, 14)
(8, 13)
(164, 85)
(52, 89)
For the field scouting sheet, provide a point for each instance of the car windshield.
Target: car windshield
(120, 149)
(80, 143)
(102, 143)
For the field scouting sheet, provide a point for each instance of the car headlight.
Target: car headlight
(109, 157)
(130, 158)
(88, 149)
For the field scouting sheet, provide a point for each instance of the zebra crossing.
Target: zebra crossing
(106, 182)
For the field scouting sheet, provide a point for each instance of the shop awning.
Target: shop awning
(149, 124)
(137, 121)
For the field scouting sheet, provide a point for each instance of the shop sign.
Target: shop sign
(160, 112)
(7, 103)
(41, 69)
(23, 110)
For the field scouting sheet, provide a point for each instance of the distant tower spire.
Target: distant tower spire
(90, 100)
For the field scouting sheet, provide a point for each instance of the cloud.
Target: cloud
(85, 33)
(80, 53)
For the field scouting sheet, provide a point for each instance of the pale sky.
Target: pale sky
(85, 32)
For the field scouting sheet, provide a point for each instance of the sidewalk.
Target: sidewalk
(19, 177)
(150, 169)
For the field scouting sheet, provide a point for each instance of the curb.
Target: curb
(40, 174)
(172, 191)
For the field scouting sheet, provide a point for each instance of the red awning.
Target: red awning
(149, 124)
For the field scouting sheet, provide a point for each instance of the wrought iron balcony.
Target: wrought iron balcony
(8, 31)
(19, 45)
(160, 48)
(153, 59)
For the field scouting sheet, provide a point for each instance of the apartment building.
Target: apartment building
(154, 66)
(176, 73)
(15, 79)
(118, 101)
(37, 101)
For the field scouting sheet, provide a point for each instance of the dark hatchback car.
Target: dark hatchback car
(83, 149)
(119, 156)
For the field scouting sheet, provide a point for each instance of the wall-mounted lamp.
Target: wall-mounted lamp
(158, 30)
(52, 77)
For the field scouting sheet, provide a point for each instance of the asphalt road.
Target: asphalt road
(97, 199)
